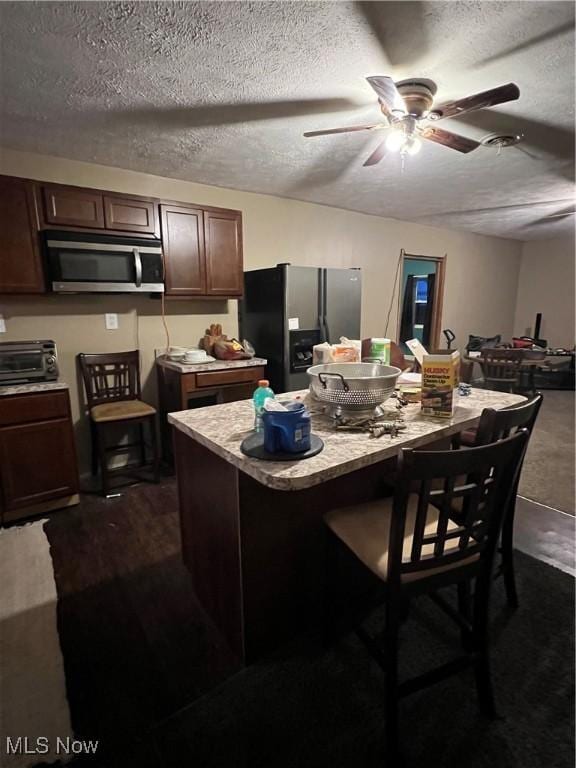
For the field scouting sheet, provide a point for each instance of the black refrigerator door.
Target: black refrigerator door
(343, 297)
(303, 310)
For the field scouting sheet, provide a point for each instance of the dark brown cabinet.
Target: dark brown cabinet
(38, 469)
(223, 246)
(183, 247)
(130, 214)
(20, 258)
(202, 251)
(73, 207)
(202, 246)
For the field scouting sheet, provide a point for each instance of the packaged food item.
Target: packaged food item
(440, 379)
(322, 354)
(380, 349)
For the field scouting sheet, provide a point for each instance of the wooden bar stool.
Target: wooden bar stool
(412, 545)
(112, 384)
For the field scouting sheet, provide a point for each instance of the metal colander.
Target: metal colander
(353, 386)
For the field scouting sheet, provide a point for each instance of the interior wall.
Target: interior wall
(480, 289)
(546, 285)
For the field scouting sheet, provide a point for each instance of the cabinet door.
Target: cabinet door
(183, 246)
(129, 214)
(223, 238)
(73, 207)
(20, 260)
(37, 463)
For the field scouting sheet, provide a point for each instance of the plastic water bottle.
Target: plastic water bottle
(260, 396)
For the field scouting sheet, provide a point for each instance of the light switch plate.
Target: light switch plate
(111, 321)
(2, 324)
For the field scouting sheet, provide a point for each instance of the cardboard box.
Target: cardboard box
(440, 379)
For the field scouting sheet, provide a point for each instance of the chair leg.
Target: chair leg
(155, 449)
(100, 439)
(481, 646)
(464, 608)
(142, 444)
(507, 541)
(391, 678)
(93, 448)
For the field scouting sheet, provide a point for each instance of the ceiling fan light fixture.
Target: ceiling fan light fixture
(412, 146)
(395, 140)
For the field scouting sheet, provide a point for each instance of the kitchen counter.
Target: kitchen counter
(222, 429)
(26, 389)
(253, 536)
(217, 365)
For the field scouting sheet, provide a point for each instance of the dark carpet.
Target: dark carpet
(149, 678)
(325, 709)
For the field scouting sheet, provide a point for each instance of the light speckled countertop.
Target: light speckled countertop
(217, 365)
(221, 428)
(25, 389)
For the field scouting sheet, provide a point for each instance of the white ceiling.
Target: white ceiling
(164, 87)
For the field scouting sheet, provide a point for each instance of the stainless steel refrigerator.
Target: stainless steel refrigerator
(286, 310)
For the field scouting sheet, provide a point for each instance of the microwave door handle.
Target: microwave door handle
(137, 266)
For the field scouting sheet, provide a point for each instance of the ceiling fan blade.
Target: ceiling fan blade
(377, 155)
(449, 139)
(387, 93)
(500, 95)
(348, 129)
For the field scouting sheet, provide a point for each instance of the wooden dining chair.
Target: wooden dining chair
(501, 368)
(496, 425)
(533, 359)
(113, 394)
(411, 543)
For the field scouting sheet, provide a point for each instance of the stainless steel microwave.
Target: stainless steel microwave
(86, 263)
(28, 361)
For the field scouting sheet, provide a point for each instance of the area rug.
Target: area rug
(33, 706)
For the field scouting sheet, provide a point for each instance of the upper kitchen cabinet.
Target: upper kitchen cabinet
(73, 207)
(20, 258)
(183, 248)
(130, 214)
(223, 243)
(202, 251)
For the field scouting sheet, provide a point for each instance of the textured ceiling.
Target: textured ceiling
(220, 93)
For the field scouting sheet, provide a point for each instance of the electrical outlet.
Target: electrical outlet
(111, 321)
(2, 324)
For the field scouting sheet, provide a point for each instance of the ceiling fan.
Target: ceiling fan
(409, 109)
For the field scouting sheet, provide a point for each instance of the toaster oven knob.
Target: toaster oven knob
(50, 360)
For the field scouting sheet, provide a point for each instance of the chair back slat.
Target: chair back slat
(110, 377)
(501, 366)
(482, 478)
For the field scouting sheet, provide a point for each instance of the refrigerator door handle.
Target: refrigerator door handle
(325, 304)
(321, 308)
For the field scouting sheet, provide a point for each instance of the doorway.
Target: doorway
(421, 294)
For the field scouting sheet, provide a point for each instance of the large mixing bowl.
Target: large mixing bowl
(353, 386)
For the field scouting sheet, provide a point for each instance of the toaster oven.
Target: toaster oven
(28, 361)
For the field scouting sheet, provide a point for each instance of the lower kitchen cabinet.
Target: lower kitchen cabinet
(38, 466)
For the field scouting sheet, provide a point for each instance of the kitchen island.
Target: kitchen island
(252, 532)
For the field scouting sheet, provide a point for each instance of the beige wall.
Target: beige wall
(546, 285)
(480, 292)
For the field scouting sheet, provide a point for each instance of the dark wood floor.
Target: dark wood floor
(136, 644)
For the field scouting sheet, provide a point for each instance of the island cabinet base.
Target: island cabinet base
(257, 554)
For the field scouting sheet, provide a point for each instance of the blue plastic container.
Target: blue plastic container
(287, 431)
